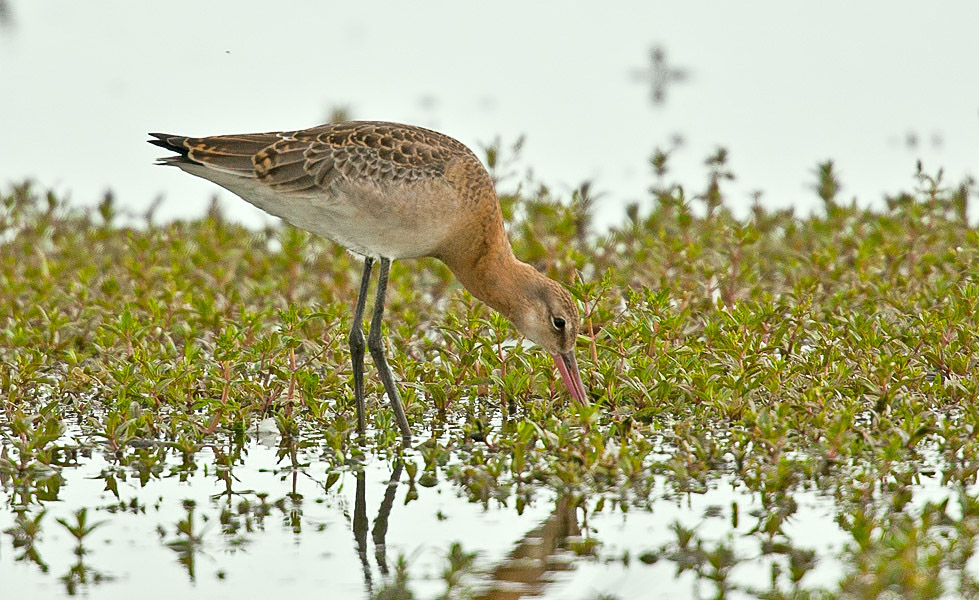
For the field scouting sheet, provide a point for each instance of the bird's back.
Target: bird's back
(380, 189)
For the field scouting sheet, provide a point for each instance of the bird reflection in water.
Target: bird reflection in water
(525, 572)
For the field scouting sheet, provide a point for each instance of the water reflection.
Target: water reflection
(380, 524)
(221, 515)
(536, 557)
(80, 574)
(188, 541)
(23, 535)
(525, 571)
(278, 518)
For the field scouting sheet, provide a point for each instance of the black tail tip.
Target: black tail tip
(174, 143)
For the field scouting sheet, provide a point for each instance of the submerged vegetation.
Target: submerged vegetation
(779, 354)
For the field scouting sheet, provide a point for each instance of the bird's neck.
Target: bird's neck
(479, 252)
(494, 275)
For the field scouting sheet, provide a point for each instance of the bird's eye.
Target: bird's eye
(558, 323)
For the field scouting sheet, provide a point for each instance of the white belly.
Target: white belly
(393, 221)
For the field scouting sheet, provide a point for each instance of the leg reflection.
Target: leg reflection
(381, 522)
(360, 531)
(379, 532)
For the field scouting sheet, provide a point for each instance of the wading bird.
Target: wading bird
(388, 191)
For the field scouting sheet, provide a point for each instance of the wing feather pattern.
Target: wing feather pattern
(319, 157)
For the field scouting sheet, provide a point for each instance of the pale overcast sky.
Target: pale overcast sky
(873, 85)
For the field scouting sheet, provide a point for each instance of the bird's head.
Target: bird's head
(549, 317)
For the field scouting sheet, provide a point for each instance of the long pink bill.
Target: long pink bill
(568, 367)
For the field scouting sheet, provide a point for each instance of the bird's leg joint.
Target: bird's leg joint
(356, 339)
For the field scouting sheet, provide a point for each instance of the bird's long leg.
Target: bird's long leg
(356, 341)
(375, 343)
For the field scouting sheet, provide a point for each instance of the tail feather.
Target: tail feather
(174, 143)
(229, 153)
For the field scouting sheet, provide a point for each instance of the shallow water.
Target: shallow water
(266, 527)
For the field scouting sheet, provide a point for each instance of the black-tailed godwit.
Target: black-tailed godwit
(388, 191)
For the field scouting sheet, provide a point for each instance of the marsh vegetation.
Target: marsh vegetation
(758, 382)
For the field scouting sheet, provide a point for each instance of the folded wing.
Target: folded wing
(314, 159)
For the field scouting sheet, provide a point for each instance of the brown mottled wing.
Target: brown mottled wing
(316, 158)
(355, 151)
